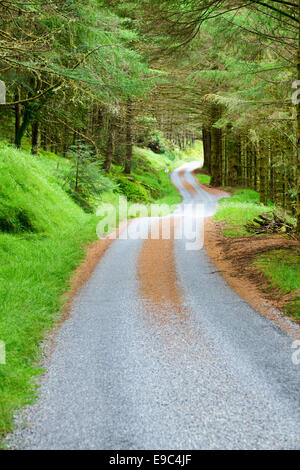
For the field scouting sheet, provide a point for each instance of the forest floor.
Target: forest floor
(263, 269)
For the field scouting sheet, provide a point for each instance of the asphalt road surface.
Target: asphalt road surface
(160, 353)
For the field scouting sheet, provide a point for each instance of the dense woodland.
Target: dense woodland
(105, 75)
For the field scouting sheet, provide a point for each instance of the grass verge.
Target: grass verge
(42, 239)
(203, 179)
(282, 269)
(34, 273)
(237, 210)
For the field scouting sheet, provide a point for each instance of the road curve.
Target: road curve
(160, 353)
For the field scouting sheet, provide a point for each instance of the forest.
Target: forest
(104, 75)
(107, 98)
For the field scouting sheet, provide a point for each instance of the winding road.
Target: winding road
(160, 353)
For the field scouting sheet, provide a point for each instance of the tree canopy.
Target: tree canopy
(106, 71)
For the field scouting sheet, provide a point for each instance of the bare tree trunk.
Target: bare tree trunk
(129, 116)
(243, 161)
(298, 129)
(283, 191)
(18, 114)
(206, 136)
(27, 115)
(109, 147)
(34, 137)
(77, 175)
(44, 140)
(216, 148)
(263, 186)
(233, 157)
(223, 163)
(216, 157)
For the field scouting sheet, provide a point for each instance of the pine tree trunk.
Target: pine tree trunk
(109, 147)
(44, 139)
(27, 116)
(77, 175)
(272, 171)
(251, 151)
(35, 137)
(243, 162)
(233, 155)
(298, 129)
(206, 149)
(283, 181)
(223, 167)
(216, 157)
(129, 116)
(226, 161)
(280, 183)
(18, 114)
(256, 161)
(216, 149)
(263, 187)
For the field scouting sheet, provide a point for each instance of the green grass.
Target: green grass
(150, 171)
(171, 159)
(282, 269)
(34, 274)
(292, 309)
(148, 182)
(41, 243)
(239, 209)
(203, 179)
(30, 200)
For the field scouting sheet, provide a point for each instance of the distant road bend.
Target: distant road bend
(160, 353)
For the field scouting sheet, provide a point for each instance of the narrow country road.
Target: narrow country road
(160, 353)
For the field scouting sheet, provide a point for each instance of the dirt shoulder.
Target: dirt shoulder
(234, 259)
